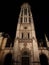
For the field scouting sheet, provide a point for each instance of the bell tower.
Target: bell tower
(25, 44)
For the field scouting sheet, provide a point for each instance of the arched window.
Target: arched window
(28, 35)
(43, 59)
(8, 59)
(21, 19)
(29, 19)
(22, 35)
(25, 19)
(29, 11)
(25, 11)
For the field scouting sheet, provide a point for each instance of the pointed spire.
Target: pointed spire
(46, 38)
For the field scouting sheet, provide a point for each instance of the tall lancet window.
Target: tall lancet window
(25, 11)
(21, 19)
(22, 35)
(25, 19)
(28, 35)
(29, 11)
(29, 19)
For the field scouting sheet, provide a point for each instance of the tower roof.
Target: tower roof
(25, 5)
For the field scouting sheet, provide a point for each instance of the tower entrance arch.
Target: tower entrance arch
(25, 59)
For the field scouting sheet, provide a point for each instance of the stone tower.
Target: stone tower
(25, 44)
(26, 50)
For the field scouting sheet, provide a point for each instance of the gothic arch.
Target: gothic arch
(8, 59)
(25, 56)
(27, 50)
(43, 59)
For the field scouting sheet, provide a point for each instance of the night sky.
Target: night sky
(9, 17)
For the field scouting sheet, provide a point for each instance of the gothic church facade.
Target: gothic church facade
(26, 50)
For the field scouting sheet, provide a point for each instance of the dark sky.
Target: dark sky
(9, 16)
